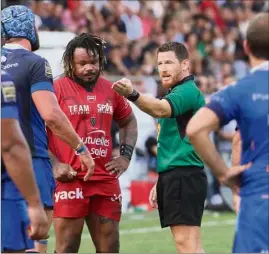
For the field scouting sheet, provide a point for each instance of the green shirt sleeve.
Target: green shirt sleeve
(183, 98)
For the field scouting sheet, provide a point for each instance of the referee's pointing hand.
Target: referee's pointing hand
(123, 87)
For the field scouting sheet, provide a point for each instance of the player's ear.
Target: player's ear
(185, 64)
(246, 47)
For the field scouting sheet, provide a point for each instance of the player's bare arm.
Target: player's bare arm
(58, 123)
(128, 138)
(17, 158)
(236, 148)
(236, 155)
(152, 106)
(198, 129)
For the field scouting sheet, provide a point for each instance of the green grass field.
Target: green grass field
(141, 232)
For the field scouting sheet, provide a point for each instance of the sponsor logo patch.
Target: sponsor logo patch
(8, 91)
(63, 195)
(48, 70)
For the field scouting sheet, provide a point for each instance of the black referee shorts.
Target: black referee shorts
(181, 194)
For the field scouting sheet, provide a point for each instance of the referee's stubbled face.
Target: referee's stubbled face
(171, 70)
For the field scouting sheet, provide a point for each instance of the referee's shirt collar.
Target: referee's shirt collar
(188, 78)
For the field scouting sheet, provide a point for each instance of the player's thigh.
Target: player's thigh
(104, 232)
(70, 200)
(70, 209)
(45, 181)
(181, 194)
(252, 223)
(105, 213)
(68, 233)
(14, 225)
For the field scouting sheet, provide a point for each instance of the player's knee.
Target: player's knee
(112, 247)
(71, 246)
(68, 243)
(180, 239)
(184, 243)
(110, 243)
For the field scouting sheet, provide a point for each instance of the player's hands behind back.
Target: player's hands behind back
(87, 163)
(231, 178)
(123, 87)
(39, 226)
(118, 165)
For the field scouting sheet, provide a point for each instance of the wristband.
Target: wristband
(44, 241)
(80, 148)
(133, 96)
(126, 151)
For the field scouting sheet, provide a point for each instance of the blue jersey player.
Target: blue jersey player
(17, 180)
(247, 103)
(37, 102)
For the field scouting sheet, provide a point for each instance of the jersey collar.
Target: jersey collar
(188, 78)
(263, 67)
(14, 46)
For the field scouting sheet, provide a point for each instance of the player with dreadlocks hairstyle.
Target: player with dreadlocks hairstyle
(90, 104)
(96, 46)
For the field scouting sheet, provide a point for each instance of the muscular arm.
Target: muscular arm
(198, 129)
(49, 109)
(154, 107)
(236, 149)
(236, 155)
(128, 130)
(18, 161)
(53, 159)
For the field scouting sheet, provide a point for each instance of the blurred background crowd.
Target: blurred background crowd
(213, 32)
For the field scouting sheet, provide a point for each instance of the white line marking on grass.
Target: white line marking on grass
(159, 229)
(156, 229)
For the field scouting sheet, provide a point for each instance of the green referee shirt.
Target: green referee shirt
(174, 148)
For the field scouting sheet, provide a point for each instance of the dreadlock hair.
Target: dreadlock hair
(89, 42)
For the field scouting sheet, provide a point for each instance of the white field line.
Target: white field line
(206, 224)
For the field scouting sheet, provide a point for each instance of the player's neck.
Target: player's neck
(22, 42)
(254, 62)
(184, 75)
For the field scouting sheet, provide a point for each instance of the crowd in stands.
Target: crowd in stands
(213, 32)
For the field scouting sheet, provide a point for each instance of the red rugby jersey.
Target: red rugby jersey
(91, 114)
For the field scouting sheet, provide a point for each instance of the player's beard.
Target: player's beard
(88, 85)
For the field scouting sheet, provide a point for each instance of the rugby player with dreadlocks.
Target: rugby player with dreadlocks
(91, 104)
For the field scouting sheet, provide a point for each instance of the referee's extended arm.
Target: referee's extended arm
(152, 106)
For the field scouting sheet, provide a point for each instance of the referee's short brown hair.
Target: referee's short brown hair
(179, 49)
(258, 36)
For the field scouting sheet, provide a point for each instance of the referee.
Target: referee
(181, 190)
